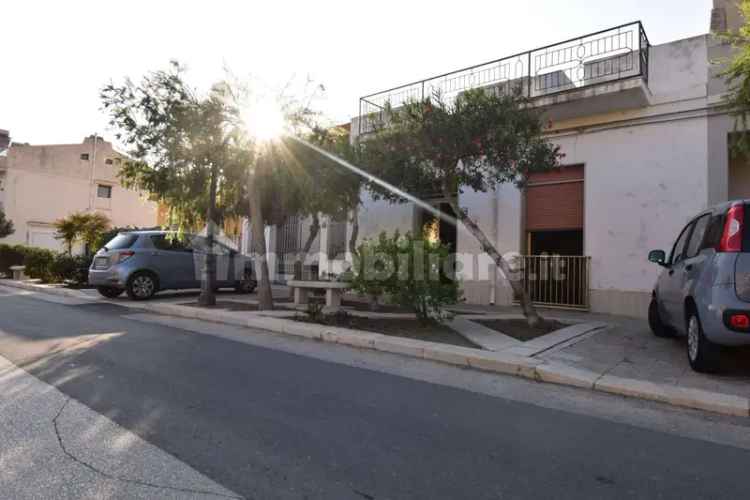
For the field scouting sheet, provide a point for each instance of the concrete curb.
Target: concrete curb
(506, 363)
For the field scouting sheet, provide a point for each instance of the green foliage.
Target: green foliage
(737, 75)
(71, 269)
(408, 271)
(38, 262)
(45, 264)
(11, 255)
(482, 139)
(6, 225)
(87, 227)
(177, 140)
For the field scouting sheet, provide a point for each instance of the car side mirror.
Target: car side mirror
(658, 257)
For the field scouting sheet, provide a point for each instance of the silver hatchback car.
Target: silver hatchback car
(142, 263)
(704, 291)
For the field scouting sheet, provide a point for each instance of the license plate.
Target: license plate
(101, 263)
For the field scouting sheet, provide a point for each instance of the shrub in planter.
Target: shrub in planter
(72, 269)
(11, 255)
(409, 272)
(38, 262)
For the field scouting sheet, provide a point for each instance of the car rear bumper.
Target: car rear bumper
(723, 299)
(107, 277)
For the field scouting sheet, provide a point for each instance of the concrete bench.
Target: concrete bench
(334, 291)
(18, 272)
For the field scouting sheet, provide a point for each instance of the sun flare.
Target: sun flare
(265, 121)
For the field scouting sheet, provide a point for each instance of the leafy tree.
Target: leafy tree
(479, 141)
(6, 225)
(737, 75)
(82, 226)
(325, 187)
(180, 143)
(95, 226)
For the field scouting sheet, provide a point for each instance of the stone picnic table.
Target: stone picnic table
(334, 291)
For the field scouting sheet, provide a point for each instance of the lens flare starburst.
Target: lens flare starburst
(264, 120)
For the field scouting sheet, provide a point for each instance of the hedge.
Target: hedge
(44, 264)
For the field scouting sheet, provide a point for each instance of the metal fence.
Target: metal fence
(557, 280)
(604, 56)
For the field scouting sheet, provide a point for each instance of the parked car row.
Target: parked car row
(142, 263)
(703, 293)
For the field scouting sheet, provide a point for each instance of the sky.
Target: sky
(56, 55)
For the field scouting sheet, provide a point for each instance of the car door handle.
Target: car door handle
(671, 272)
(689, 267)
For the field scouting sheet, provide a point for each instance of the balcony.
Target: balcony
(595, 73)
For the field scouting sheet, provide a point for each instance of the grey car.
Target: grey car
(703, 292)
(142, 263)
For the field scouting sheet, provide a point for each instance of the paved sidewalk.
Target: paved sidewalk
(628, 349)
(617, 355)
(54, 447)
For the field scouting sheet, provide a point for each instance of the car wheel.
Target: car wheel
(658, 328)
(703, 354)
(109, 292)
(142, 286)
(247, 285)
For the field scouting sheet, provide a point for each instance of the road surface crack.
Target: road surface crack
(114, 477)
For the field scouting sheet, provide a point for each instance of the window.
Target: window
(714, 232)
(108, 161)
(679, 247)
(104, 191)
(170, 243)
(121, 241)
(85, 156)
(696, 240)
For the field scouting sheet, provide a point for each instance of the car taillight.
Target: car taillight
(731, 239)
(122, 256)
(739, 321)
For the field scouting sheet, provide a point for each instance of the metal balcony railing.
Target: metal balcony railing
(602, 57)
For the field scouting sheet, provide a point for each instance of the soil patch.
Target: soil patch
(519, 329)
(397, 327)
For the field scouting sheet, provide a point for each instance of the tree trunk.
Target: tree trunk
(529, 311)
(258, 237)
(300, 257)
(208, 276)
(355, 231)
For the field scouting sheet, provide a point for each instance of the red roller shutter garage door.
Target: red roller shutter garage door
(554, 200)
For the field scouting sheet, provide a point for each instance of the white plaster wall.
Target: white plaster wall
(677, 70)
(641, 185)
(378, 216)
(498, 214)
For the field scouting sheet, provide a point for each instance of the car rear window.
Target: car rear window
(746, 230)
(714, 231)
(121, 241)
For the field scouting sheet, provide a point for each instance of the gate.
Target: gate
(557, 280)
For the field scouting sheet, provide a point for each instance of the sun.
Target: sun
(264, 120)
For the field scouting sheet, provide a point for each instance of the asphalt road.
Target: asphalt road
(271, 424)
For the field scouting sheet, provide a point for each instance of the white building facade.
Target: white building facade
(646, 142)
(40, 184)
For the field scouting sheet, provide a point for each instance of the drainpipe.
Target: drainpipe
(92, 192)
